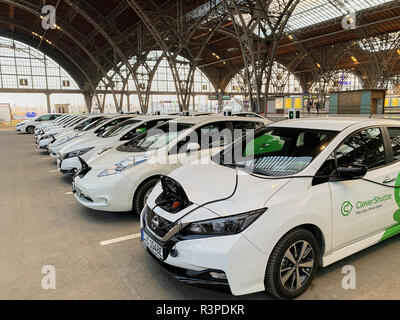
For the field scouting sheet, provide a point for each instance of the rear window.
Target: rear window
(394, 134)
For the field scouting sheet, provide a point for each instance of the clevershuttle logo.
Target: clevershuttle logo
(346, 208)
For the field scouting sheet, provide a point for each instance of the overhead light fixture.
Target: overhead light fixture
(354, 59)
(398, 52)
(290, 37)
(318, 65)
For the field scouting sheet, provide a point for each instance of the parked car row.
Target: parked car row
(237, 201)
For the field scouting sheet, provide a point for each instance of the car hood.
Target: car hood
(85, 141)
(222, 190)
(55, 130)
(110, 157)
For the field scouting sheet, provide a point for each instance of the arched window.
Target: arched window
(23, 67)
(163, 80)
(281, 82)
(342, 80)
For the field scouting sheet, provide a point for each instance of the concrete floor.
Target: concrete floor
(41, 224)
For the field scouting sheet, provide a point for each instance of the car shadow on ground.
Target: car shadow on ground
(95, 216)
(165, 279)
(357, 256)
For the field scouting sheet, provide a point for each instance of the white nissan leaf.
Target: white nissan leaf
(96, 128)
(271, 209)
(61, 133)
(121, 178)
(68, 161)
(43, 128)
(46, 132)
(28, 126)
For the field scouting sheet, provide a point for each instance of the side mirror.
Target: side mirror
(352, 171)
(192, 147)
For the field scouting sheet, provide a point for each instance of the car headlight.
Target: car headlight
(77, 153)
(123, 165)
(104, 150)
(65, 140)
(223, 226)
(46, 136)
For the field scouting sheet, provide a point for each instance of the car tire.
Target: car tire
(30, 129)
(289, 262)
(139, 200)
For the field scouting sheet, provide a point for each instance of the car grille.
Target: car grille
(158, 225)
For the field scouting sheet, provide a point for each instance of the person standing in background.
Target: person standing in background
(318, 106)
(309, 104)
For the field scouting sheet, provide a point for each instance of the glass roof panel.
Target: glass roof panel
(306, 13)
(310, 12)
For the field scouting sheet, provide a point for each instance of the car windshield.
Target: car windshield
(59, 119)
(75, 122)
(277, 151)
(70, 121)
(95, 124)
(65, 120)
(155, 138)
(87, 122)
(119, 128)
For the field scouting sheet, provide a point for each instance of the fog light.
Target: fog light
(174, 253)
(218, 275)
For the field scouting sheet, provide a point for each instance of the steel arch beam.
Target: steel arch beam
(105, 35)
(32, 9)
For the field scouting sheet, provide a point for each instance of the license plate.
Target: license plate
(153, 246)
(76, 190)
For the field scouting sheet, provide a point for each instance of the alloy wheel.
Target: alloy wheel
(296, 265)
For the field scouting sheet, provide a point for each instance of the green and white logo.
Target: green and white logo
(346, 208)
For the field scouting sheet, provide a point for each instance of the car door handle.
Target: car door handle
(388, 180)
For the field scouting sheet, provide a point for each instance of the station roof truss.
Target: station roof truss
(92, 37)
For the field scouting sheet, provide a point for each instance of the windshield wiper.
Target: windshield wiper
(234, 165)
(138, 147)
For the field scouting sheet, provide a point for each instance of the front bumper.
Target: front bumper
(243, 264)
(68, 166)
(196, 278)
(111, 193)
(44, 143)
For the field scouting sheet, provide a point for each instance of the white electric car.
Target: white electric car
(120, 179)
(70, 120)
(68, 161)
(270, 210)
(71, 130)
(77, 137)
(54, 122)
(41, 128)
(28, 126)
(50, 132)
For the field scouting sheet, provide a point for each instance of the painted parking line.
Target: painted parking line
(69, 192)
(115, 240)
(51, 171)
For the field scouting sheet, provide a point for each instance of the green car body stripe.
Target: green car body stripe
(395, 229)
